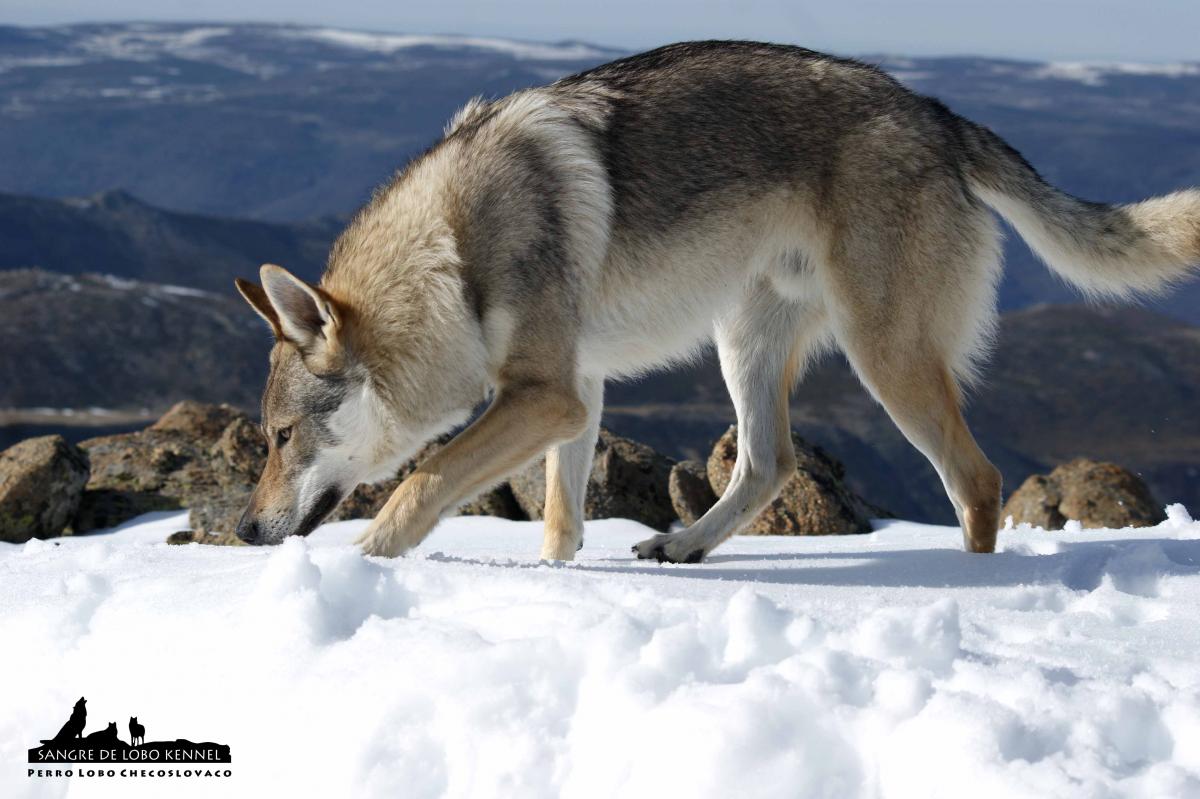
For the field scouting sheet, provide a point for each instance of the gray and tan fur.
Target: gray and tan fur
(774, 199)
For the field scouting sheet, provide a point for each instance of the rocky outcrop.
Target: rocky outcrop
(814, 501)
(41, 483)
(205, 458)
(691, 494)
(1094, 494)
(628, 481)
(208, 458)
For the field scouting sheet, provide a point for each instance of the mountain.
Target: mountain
(270, 121)
(285, 123)
(84, 341)
(115, 233)
(1065, 381)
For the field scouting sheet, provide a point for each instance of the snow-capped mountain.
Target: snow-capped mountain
(285, 122)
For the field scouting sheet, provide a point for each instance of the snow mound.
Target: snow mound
(884, 665)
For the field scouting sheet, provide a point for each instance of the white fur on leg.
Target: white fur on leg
(568, 466)
(756, 345)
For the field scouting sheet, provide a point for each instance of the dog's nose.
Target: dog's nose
(247, 530)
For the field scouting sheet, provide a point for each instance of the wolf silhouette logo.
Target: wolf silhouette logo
(71, 746)
(108, 735)
(137, 733)
(74, 727)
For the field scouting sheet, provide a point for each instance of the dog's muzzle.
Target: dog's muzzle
(248, 530)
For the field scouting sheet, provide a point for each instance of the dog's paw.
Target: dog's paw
(669, 548)
(374, 543)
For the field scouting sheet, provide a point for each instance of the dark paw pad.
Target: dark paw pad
(658, 553)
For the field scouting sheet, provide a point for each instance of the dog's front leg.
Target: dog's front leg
(520, 424)
(567, 468)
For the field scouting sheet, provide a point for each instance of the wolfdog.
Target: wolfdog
(776, 200)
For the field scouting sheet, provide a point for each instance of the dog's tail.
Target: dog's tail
(1105, 250)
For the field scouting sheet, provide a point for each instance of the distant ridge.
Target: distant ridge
(114, 232)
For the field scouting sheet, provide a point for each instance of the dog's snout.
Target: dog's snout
(248, 531)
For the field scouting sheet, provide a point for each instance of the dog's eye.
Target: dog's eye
(283, 436)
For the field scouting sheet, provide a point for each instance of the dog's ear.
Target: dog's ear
(308, 317)
(254, 294)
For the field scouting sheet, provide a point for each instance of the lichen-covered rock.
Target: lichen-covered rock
(41, 483)
(691, 494)
(224, 539)
(628, 481)
(198, 419)
(205, 458)
(241, 448)
(208, 458)
(814, 501)
(1094, 494)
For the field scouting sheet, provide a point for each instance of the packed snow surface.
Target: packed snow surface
(885, 665)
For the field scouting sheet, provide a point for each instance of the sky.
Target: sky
(1152, 30)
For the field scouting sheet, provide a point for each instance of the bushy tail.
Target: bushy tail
(1107, 250)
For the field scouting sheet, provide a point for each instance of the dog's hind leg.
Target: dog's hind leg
(920, 394)
(908, 328)
(762, 345)
(567, 468)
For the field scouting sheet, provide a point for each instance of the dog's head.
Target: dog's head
(326, 426)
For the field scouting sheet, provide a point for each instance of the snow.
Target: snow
(389, 43)
(885, 665)
(1094, 73)
(148, 42)
(9, 63)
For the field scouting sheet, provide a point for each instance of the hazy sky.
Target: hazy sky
(1152, 30)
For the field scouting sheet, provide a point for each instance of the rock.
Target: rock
(206, 458)
(242, 448)
(1094, 494)
(499, 502)
(628, 481)
(815, 501)
(225, 539)
(691, 494)
(198, 419)
(41, 483)
(102, 507)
